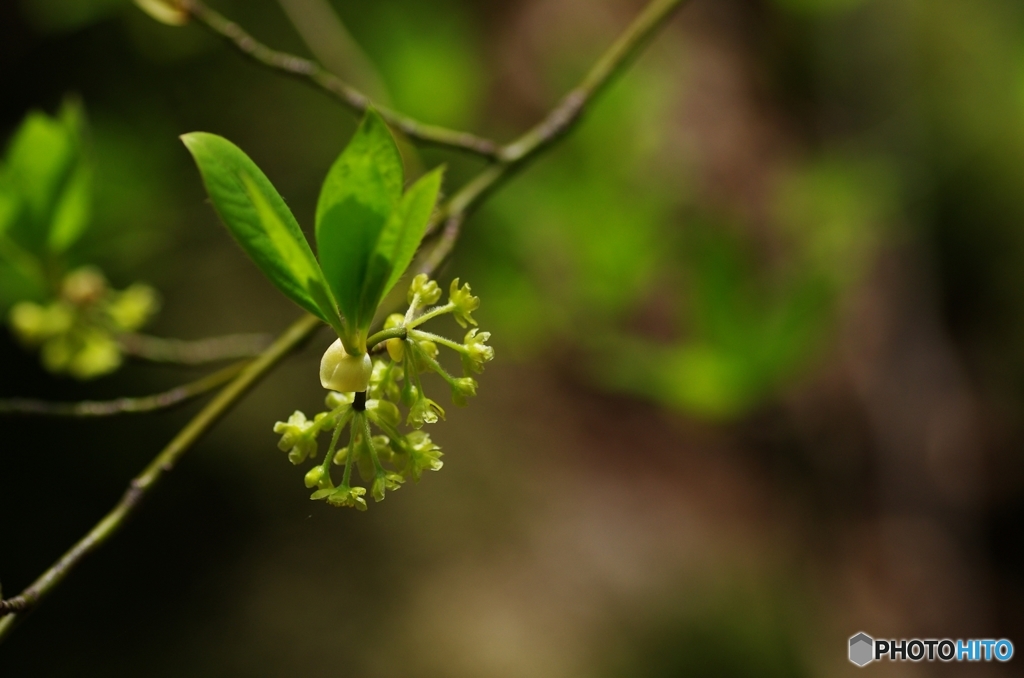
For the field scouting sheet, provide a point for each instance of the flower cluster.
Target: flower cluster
(77, 332)
(390, 457)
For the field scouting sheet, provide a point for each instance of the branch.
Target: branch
(106, 408)
(345, 93)
(15, 608)
(609, 66)
(510, 158)
(196, 352)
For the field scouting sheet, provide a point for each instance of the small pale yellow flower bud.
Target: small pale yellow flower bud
(396, 349)
(84, 286)
(342, 372)
(165, 11)
(314, 476)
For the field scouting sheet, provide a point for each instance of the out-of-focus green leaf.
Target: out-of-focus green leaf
(9, 202)
(73, 210)
(40, 161)
(258, 218)
(431, 60)
(46, 183)
(56, 16)
(361, 190)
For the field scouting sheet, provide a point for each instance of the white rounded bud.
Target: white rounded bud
(344, 373)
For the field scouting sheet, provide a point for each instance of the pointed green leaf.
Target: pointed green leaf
(361, 190)
(280, 236)
(399, 240)
(73, 210)
(10, 202)
(261, 222)
(41, 160)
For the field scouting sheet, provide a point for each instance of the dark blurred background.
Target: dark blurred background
(760, 348)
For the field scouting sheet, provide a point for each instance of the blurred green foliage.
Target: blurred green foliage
(45, 202)
(46, 195)
(607, 228)
(66, 15)
(610, 230)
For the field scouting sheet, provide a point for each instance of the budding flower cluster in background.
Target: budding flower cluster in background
(77, 333)
(387, 459)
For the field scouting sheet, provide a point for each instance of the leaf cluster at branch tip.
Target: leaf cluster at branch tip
(367, 229)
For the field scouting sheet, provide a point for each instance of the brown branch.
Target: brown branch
(349, 96)
(106, 408)
(194, 352)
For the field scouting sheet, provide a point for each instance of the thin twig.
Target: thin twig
(194, 352)
(16, 607)
(513, 157)
(611, 64)
(345, 93)
(105, 408)
(563, 118)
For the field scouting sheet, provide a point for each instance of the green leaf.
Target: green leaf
(73, 210)
(361, 190)
(399, 240)
(41, 160)
(258, 218)
(10, 202)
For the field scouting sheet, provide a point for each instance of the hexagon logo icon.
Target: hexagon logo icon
(862, 648)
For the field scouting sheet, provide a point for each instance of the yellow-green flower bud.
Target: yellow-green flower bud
(385, 411)
(342, 372)
(429, 349)
(427, 289)
(424, 411)
(334, 400)
(462, 389)
(396, 349)
(314, 476)
(422, 454)
(348, 496)
(465, 303)
(84, 286)
(298, 437)
(165, 11)
(57, 353)
(385, 481)
(477, 351)
(132, 308)
(33, 324)
(97, 355)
